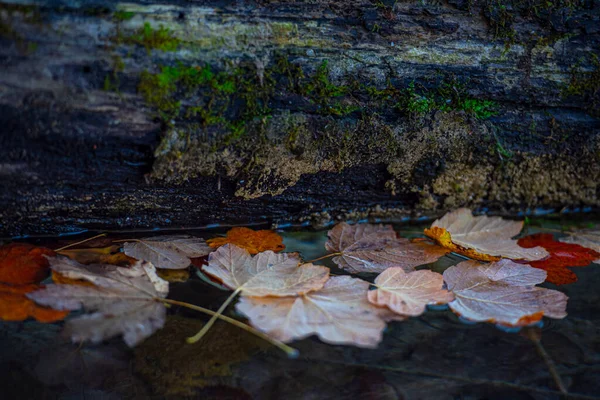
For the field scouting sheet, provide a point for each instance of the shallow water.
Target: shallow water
(434, 356)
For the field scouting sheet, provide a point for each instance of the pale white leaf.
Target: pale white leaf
(169, 252)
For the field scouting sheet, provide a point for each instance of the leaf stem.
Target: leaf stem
(290, 351)
(535, 338)
(211, 322)
(322, 258)
(81, 242)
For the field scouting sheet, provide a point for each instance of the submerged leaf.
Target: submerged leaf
(14, 306)
(102, 255)
(266, 274)
(168, 252)
(374, 248)
(562, 255)
(338, 314)
(482, 238)
(409, 293)
(502, 292)
(588, 238)
(22, 263)
(124, 300)
(252, 241)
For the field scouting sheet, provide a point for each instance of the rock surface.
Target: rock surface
(168, 113)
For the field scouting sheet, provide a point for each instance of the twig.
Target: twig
(211, 322)
(322, 258)
(81, 242)
(534, 336)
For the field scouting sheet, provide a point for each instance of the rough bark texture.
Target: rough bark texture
(186, 113)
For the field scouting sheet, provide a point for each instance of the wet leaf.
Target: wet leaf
(14, 306)
(59, 278)
(503, 292)
(588, 238)
(562, 255)
(174, 275)
(168, 252)
(122, 302)
(265, 274)
(374, 248)
(482, 238)
(409, 293)
(338, 314)
(22, 263)
(104, 255)
(252, 241)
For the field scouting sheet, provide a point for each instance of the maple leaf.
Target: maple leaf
(339, 313)
(252, 241)
(374, 248)
(265, 274)
(169, 252)
(588, 238)
(124, 300)
(22, 263)
(409, 293)
(502, 292)
(14, 306)
(103, 255)
(562, 255)
(482, 238)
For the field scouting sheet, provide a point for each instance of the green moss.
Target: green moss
(160, 39)
(123, 15)
(586, 84)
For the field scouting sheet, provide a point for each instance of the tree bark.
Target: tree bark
(184, 114)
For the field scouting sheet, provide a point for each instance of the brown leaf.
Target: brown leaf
(252, 241)
(338, 314)
(409, 293)
(124, 300)
(588, 238)
(105, 255)
(22, 263)
(266, 274)
(14, 306)
(374, 248)
(482, 238)
(167, 252)
(502, 292)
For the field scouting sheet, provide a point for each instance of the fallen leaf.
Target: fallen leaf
(502, 292)
(588, 238)
(22, 263)
(59, 278)
(252, 241)
(14, 306)
(374, 248)
(104, 255)
(409, 293)
(339, 313)
(174, 275)
(168, 252)
(482, 238)
(125, 301)
(265, 274)
(562, 255)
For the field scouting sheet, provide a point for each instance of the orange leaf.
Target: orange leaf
(252, 241)
(443, 238)
(104, 255)
(562, 255)
(22, 263)
(14, 306)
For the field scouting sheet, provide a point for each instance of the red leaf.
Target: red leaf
(562, 255)
(22, 263)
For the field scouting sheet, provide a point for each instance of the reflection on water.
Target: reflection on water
(435, 356)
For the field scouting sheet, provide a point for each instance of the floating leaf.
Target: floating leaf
(482, 238)
(588, 238)
(169, 252)
(14, 306)
(502, 292)
(562, 255)
(338, 314)
(265, 274)
(409, 293)
(374, 248)
(22, 263)
(125, 300)
(104, 255)
(252, 241)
